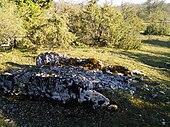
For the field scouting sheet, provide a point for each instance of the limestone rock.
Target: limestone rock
(64, 79)
(49, 58)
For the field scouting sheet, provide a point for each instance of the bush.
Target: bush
(105, 26)
(44, 26)
(157, 29)
(128, 39)
(11, 24)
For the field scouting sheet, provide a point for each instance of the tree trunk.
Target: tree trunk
(15, 43)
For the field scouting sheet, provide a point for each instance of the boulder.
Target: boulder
(49, 58)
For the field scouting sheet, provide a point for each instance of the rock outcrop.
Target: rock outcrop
(55, 78)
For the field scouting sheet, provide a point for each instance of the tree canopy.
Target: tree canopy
(46, 23)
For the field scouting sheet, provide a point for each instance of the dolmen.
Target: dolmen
(61, 78)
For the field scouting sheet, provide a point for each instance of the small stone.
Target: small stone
(113, 93)
(162, 92)
(120, 74)
(154, 95)
(11, 122)
(145, 85)
(137, 72)
(163, 120)
(112, 107)
(7, 120)
(132, 92)
(135, 81)
(147, 89)
(7, 73)
(163, 123)
(168, 102)
(141, 79)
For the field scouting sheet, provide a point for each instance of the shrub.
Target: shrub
(11, 25)
(44, 26)
(157, 29)
(105, 26)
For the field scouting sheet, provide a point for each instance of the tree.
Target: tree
(42, 3)
(11, 25)
(56, 31)
(154, 13)
(44, 26)
(103, 26)
(130, 17)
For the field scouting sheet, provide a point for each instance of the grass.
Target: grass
(153, 59)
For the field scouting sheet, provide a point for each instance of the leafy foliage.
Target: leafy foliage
(41, 3)
(11, 25)
(57, 32)
(46, 23)
(157, 29)
(130, 17)
(156, 14)
(104, 26)
(44, 26)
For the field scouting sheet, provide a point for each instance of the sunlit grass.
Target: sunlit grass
(5, 122)
(141, 103)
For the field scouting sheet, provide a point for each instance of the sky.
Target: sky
(114, 2)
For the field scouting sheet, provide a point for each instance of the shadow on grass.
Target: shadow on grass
(16, 65)
(165, 44)
(28, 49)
(5, 49)
(154, 61)
(159, 53)
(45, 113)
(162, 62)
(12, 67)
(20, 48)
